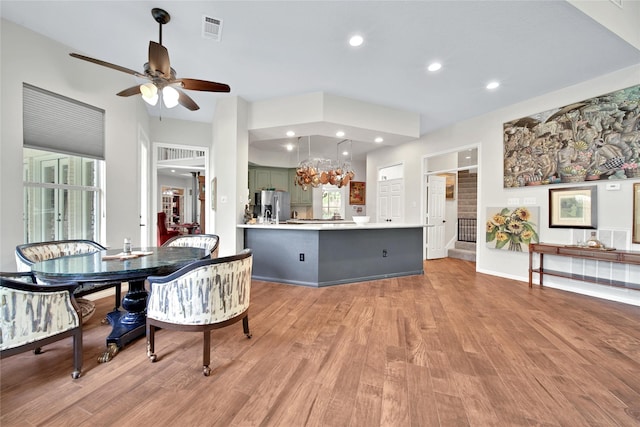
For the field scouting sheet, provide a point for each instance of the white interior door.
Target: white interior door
(390, 200)
(436, 217)
(397, 197)
(384, 201)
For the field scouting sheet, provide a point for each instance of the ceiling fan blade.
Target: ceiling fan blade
(186, 101)
(134, 90)
(159, 59)
(203, 85)
(107, 64)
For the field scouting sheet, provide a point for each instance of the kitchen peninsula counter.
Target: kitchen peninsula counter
(325, 254)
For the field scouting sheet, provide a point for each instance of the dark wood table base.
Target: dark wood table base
(128, 324)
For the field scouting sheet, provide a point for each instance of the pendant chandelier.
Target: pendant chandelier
(314, 172)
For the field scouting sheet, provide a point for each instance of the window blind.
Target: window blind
(53, 122)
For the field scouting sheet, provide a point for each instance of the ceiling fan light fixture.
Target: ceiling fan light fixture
(149, 93)
(170, 97)
(160, 74)
(151, 101)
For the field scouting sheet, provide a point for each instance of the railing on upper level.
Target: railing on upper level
(467, 229)
(170, 153)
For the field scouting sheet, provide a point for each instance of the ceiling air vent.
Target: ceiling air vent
(211, 28)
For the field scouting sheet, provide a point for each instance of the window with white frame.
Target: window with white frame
(332, 202)
(63, 167)
(62, 196)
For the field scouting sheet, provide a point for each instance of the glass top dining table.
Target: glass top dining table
(109, 266)
(105, 266)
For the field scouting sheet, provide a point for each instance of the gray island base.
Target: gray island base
(331, 255)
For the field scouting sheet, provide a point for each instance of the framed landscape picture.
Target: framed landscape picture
(573, 207)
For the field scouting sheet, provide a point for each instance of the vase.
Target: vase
(632, 173)
(515, 246)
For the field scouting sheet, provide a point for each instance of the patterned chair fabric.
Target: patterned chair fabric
(30, 253)
(32, 315)
(203, 241)
(202, 296)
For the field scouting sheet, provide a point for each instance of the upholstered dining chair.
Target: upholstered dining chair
(200, 297)
(33, 315)
(30, 253)
(203, 241)
(163, 233)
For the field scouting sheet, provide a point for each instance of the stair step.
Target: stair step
(462, 254)
(469, 246)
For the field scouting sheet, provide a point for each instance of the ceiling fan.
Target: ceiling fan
(162, 77)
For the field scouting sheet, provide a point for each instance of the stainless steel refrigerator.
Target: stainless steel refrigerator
(275, 204)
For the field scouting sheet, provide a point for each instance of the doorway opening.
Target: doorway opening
(450, 203)
(178, 184)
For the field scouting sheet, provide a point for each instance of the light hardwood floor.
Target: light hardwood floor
(448, 348)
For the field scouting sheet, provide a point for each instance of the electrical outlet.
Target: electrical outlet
(301, 257)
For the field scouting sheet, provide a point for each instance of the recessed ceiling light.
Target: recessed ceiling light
(289, 147)
(378, 139)
(356, 40)
(173, 170)
(291, 133)
(493, 85)
(435, 66)
(340, 134)
(345, 153)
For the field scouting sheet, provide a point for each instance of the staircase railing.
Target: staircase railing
(467, 229)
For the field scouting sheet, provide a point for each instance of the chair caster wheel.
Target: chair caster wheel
(37, 350)
(248, 336)
(206, 371)
(153, 358)
(75, 375)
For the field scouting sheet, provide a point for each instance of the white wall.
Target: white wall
(230, 166)
(486, 130)
(180, 132)
(29, 57)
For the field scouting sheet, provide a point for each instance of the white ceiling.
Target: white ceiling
(272, 49)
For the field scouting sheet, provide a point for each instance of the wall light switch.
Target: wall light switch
(529, 201)
(613, 186)
(513, 201)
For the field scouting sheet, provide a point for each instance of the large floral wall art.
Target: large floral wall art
(598, 138)
(512, 228)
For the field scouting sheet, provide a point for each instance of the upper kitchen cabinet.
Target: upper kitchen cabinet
(261, 178)
(299, 196)
(267, 178)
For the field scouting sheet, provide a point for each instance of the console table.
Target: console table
(618, 256)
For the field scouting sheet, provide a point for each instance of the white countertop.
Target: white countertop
(329, 227)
